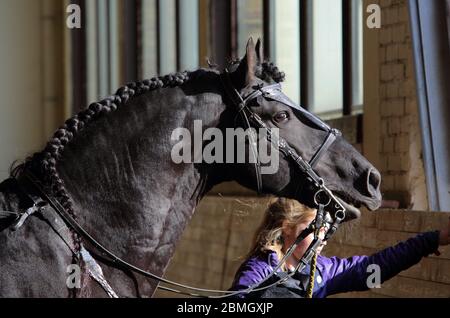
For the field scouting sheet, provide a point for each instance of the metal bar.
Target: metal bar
(269, 29)
(113, 45)
(177, 33)
(167, 36)
(78, 48)
(234, 29)
(130, 41)
(158, 38)
(103, 50)
(221, 31)
(188, 34)
(431, 55)
(305, 50)
(204, 31)
(139, 39)
(347, 57)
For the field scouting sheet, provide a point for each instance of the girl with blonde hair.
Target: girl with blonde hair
(283, 221)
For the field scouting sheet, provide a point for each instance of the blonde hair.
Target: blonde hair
(281, 213)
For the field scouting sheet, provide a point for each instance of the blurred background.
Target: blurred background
(385, 88)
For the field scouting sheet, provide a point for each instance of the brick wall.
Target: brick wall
(222, 229)
(400, 153)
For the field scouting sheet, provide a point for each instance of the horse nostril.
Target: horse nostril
(373, 181)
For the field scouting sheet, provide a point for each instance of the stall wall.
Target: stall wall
(30, 76)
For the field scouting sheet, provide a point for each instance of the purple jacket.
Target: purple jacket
(339, 275)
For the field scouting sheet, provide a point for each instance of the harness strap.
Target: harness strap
(23, 216)
(77, 228)
(8, 214)
(96, 272)
(242, 109)
(60, 228)
(93, 268)
(331, 137)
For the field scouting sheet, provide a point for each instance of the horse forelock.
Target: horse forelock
(267, 71)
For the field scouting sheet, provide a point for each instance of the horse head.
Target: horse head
(351, 177)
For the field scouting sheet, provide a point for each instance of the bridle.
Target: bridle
(323, 196)
(249, 117)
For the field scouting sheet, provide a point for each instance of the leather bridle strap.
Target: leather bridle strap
(241, 104)
(33, 182)
(70, 221)
(331, 137)
(273, 91)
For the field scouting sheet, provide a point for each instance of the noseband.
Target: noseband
(323, 196)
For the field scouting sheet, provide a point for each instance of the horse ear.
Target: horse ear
(245, 73)
(259, 51)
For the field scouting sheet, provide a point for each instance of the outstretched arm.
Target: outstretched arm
(351, 274)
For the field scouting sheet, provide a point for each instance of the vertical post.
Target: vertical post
(221, 31)
(347, 57)
(130, 40)
(187, 34)
(430, 39)
(371, 78)
(234, 29)
(305, 50)
(78, 65)
(268, 30)
(167, 31)
(103, 48)
(113, 45)
(204, 31)
(177, 33)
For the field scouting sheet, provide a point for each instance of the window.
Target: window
(170, 36)
(104, 42)
(285, 46)
(124, 41)
(250, 22)
(334, 57)
(149, 38)
(102, 48)
(318, 44)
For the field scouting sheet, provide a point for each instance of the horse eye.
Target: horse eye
(281, 117)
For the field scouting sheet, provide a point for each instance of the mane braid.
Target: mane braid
(267, 71)
(44, 163)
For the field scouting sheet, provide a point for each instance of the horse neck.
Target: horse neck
(125, 188)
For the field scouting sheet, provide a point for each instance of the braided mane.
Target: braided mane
(44, 163)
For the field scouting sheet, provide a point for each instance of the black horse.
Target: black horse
(110, 167)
